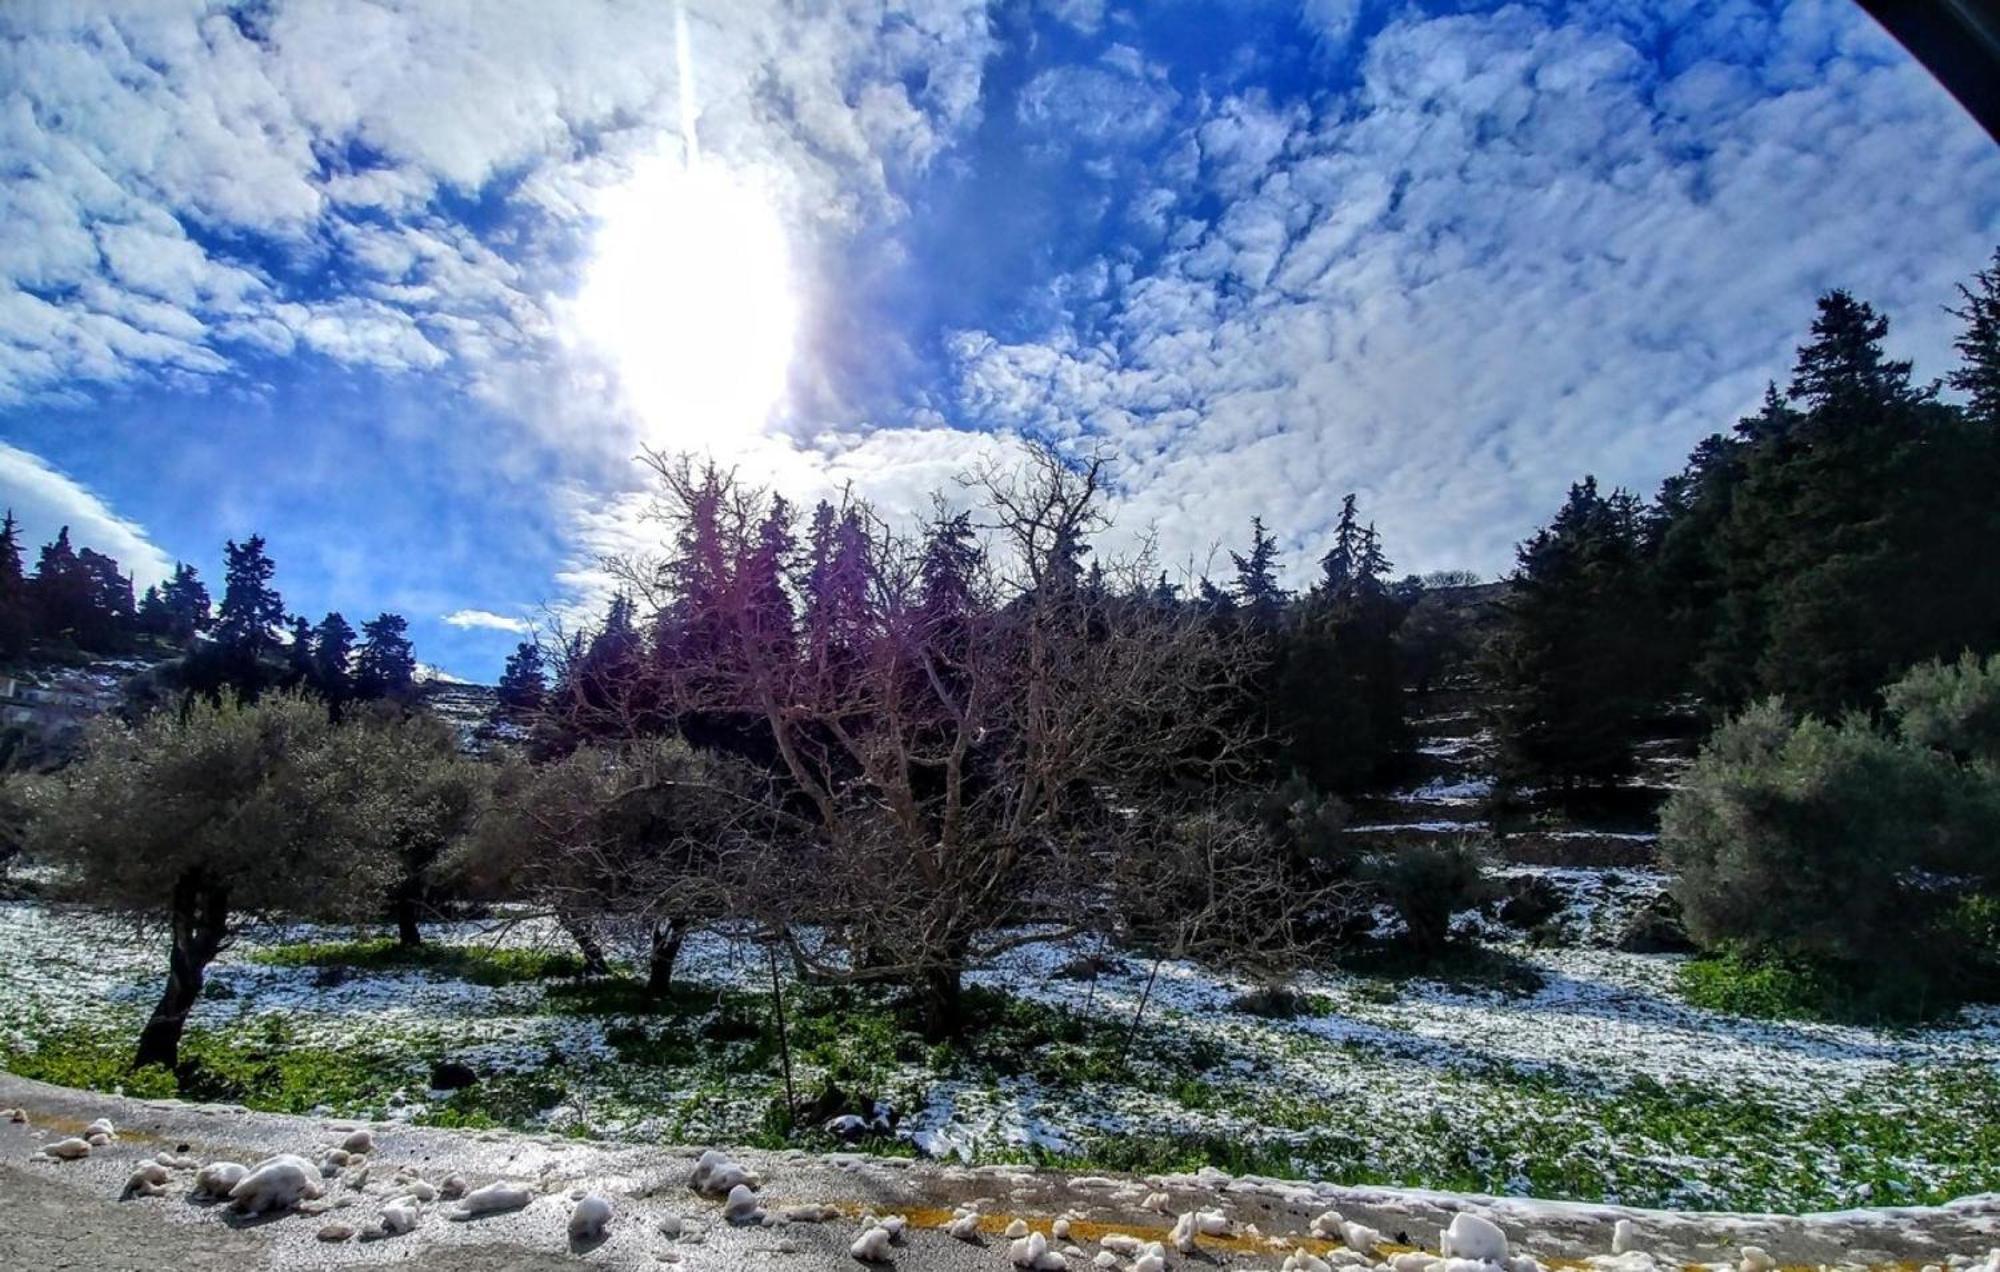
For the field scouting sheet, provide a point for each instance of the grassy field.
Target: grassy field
(1580, 1074)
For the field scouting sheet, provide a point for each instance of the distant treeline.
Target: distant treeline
(78, 600)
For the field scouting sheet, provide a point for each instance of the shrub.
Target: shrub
(1427, 883)
(1865, 853)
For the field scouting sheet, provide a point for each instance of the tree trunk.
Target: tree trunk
(587, 944)
(666, 948)
(408, 935)
(200, 922)
(943, 990)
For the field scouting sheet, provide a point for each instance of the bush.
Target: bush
(1427, 883)
(1866, 854)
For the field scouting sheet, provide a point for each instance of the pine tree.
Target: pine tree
(1338, 566)
(523, 682)
(252, 611)
(1576, 637)
(1979, 345)
(386, 667)
(16, 605)
(333, 659)
(1337, 698)
(300, 660)
(186, 603)
(60, 589)
(1257, 589)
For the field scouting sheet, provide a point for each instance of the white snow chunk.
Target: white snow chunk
(359, 1143)
(1623, 1238)
(1326, 1225)
(871, 1246)
(965, 1227)
(1060, 1228)
(1153, 1260)
(590, 1218)
(400, 1216)
(420, 1190)
(173, 1161)
(1104, 1259)
(1471, 1237)
(1413, 1261)
(1359, 1237)
(717, 1176)
(102, 1126)
(1757, 1259)
(1198, 1223)
(277, 1183)
(217, 1178)
(1157, 1201)
(150, 1180)
(1304, 1260)
(452, 1188)
(1120, 1243)
(742, 1207)
(68, 1150)
(1032, 1251)
(492, 1199)
(670, 1227)
(1016, 1230)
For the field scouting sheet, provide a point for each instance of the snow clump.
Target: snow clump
(590, 1218)
(277, 1183)
(492, 1199)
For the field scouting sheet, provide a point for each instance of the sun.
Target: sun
(690, 292)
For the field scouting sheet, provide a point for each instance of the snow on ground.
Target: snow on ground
(1599, 1084)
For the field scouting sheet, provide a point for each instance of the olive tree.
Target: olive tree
(202, 819)
(644, 837)
(429, 793)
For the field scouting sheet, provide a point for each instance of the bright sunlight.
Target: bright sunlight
(690, 292)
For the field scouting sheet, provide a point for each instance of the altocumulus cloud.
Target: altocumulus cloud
(1522, 245)
(1449, 260)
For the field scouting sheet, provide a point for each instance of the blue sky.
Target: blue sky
(405, 286)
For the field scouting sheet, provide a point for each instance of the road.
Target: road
(57, 1215)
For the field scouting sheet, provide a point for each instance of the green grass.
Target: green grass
(479, 964)
(261, 1066)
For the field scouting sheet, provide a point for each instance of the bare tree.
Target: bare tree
(957, 724)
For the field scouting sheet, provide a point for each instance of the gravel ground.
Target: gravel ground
(56, 1215)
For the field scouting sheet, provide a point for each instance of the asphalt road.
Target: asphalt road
(70, 1214)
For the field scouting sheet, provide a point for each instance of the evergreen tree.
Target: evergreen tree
(1979, 344)
(333, 659)
(300, 660)
(252, 611)
(61, 591)
(152, 617)
(523, 682)
(1257, 589)
(1576, 639)
(386, 667)
(1337, 688)
(185, 599)
(16, 605)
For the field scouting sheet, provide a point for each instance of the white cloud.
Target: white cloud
(1514, 252)
(44, 500)
(487, 620)
(184, 183)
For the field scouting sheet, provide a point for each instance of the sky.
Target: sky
(406, 285)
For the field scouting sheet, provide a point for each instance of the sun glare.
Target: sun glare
(689, 290)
